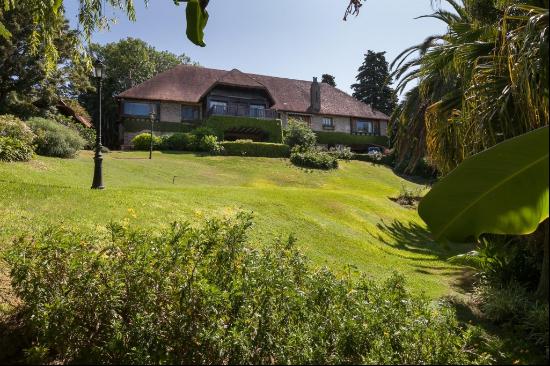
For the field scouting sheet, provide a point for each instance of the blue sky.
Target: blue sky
(297, 39)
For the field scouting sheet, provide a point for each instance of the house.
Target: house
(186, 96)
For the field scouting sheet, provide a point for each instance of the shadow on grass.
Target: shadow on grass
(413, 238)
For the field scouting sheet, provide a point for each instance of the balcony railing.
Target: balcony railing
(242, 110)
(376, 132)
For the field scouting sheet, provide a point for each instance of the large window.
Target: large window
(365, 127)
(138, 109)
(189, 113)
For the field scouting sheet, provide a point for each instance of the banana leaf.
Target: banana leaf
(197, 17)
(503, 190)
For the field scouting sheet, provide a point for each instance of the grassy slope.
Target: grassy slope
(333, 214)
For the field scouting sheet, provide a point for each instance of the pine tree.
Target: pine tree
(328, 79)
(373, 81)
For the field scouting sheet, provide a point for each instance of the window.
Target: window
(365, 126)
(217, 104)
(138, 109)
(189, 113)
(328, 122)
(257, 110)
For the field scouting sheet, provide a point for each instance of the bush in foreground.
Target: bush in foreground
(314, 159)
(204, 295)
(55, 139)
(15, 139)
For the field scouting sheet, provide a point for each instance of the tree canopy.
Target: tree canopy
(328, 79)
(373, 81)
(124, 72)
(26, 86)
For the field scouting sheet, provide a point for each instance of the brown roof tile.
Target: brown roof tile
(188, 84)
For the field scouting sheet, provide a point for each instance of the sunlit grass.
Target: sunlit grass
(340, 218)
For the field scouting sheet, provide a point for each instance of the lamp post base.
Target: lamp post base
(97, 183)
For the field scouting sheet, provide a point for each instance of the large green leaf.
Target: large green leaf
(197, 17)
(503, 190)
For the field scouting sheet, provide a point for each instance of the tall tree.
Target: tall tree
(373, 81)
(26, 86)
(328, 79)
(128, 62)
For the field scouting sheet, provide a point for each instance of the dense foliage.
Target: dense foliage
(143, 141)
(179, 142)
(204, 295)
(12, 149)
(88, 134)
(260, 149)
(373, 83)
(341, 138)
(483, 81)
(328, 79)
(313, 158)
(298, 134)
(270, 130)
(123, 72)
(15, 139)
(55, 139)
(28, 85)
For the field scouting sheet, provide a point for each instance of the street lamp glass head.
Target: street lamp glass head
(152, 115)
(99, 69)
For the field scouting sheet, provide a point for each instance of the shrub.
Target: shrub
(341, 152)
(54, 139)
(143, 141)
(261, 149)
(204, 295)
(180, 142)
(210, 144)
(272, 128)
(12, 149)
(341, 138)
(313, 159)
(297, 133)
(203, 131)
(88, 134)
(15, 139)
(11, 126)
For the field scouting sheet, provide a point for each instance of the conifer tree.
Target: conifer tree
(373, 81)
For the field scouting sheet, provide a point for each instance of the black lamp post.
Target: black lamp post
(99, 70)
(152, 119)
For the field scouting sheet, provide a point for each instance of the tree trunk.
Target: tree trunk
(542, 290)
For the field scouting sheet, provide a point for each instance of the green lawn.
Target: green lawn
(340, 217)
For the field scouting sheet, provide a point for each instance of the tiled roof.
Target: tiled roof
(188, 84)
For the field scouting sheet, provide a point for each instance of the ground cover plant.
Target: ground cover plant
(203, 294)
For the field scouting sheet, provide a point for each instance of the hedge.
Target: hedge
(259, 149)
(331, 138)
(137, 125)
(272, 127)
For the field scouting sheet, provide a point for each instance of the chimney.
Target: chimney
(315, 96)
